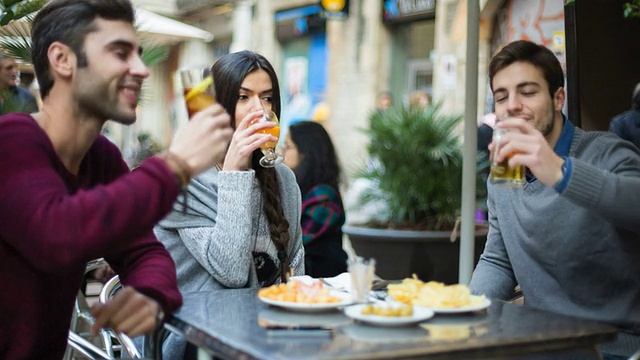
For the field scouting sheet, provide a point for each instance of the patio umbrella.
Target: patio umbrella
(154, 27)
(165, 30)
(467, 228)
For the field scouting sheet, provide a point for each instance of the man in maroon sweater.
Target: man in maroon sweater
(67, 196)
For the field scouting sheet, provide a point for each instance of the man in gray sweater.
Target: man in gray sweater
(569, 237)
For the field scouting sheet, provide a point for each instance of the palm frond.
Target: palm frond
(16, 27)
(12, 10)
(28, 9)
(418, 164)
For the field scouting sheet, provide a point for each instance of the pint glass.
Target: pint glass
(501, 173)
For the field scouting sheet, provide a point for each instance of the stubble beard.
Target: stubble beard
(547, 127)
(104, 106)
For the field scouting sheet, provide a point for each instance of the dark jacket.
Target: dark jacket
(627, 126)
(17, 99)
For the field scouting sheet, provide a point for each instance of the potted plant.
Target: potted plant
(415, 176)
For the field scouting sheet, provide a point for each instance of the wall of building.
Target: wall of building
(356, 67)
(359, 64)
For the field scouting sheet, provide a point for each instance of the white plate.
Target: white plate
(345, 299)
(481, 305)
(419, 314)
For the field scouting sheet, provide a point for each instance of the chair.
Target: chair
(113, 344)
(85, 347)
(81, 310)
(108, 291)
(151, 345)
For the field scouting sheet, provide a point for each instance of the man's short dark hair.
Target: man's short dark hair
(69, 22)
(537, 55)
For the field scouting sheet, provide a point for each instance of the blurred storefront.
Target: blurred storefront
(301, 33)
(334, 56)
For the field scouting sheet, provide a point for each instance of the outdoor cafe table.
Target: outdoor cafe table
(227, 324)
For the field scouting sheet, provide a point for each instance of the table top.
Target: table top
(231, 323)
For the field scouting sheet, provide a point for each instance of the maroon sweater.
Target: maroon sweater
(53, 222)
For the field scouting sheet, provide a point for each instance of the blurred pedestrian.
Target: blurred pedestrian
(310, 153)
(420, 98)
(13, 97)
(384, 101)
(485, 132)
(68, 196)
(627, 124)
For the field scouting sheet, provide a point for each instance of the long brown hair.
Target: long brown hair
(229, 72)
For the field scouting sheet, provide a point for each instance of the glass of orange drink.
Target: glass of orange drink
(271, 158)
(197, 85)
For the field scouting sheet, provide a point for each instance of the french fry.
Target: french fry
(296, 291)
(432, 294)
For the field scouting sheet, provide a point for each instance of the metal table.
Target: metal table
(230, 324)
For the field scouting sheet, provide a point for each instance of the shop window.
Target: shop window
(420, 76)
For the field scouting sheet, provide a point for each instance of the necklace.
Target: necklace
(218, 166)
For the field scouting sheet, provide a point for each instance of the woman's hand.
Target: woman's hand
(246, 140)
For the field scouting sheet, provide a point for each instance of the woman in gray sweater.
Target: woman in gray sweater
(241, 225)
(238, 224)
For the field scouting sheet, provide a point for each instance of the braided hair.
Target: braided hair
(229, 72)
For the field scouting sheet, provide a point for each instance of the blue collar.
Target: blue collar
(566, 137)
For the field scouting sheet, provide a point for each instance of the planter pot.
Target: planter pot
(400, 253)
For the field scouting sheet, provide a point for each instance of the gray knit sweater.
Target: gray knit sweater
(575, 253)
(212, 243)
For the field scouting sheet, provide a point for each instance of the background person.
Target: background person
(384, 101)
(569, 237)
(13, 98)
(312, 157)
(68, 196)
(419, 98)
(627, 124)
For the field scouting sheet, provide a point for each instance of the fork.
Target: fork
(331, 286)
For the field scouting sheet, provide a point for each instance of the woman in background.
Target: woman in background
(312, 157)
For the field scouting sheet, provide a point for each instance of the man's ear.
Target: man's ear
(559, 98)
(62, 60)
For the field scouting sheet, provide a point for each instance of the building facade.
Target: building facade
(332, 64)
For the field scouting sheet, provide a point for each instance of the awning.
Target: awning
(165, 30)
(152, 26)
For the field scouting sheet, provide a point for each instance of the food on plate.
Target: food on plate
(385, 310)
(433, 294)
(299, 292)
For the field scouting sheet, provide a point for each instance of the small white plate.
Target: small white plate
(345, 299)
(419, 314)
(479, 304)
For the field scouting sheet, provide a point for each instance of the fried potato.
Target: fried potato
(296, 291)
(402, 310)
(432, 294)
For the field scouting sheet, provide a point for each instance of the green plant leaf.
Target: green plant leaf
(417, 157)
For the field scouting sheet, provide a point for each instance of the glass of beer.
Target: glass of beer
(199, 93)
(271, 158)
(501, 173)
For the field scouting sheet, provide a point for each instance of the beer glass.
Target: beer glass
(271, 158)
(199, 93)
(501, 173)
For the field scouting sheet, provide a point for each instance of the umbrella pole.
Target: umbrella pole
(467, 233)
